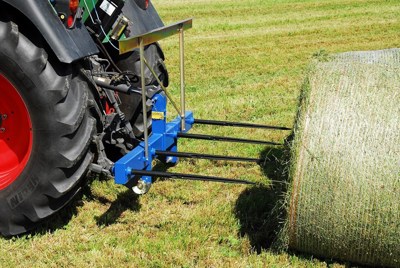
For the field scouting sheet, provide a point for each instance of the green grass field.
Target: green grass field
(245, 61)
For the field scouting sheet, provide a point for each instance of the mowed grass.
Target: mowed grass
(245, 61)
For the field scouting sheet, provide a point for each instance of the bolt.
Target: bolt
(4, 116)
(141, 185)
(2, 130)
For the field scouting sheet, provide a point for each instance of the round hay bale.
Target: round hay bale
(344, 196)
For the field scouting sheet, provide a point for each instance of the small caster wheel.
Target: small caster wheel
(141, 187)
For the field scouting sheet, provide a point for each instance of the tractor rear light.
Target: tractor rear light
(73, 6)
(76, 13)
(143, 4)
(70, 21)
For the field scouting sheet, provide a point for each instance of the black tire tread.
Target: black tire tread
(70, 131)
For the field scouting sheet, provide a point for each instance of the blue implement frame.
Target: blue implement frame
(164, 137)
(164, 134)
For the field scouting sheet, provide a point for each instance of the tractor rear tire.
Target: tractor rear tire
(45, 132)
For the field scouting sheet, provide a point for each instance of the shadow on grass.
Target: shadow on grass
(57, 221)
(261, 209)
(61, 218)
(127, 200)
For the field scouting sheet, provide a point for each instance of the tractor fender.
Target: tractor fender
(67, 44)
(143, 21)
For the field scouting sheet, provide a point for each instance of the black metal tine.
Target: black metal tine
(183, 176)
(208, 156)
(218, 138)
(237, 124)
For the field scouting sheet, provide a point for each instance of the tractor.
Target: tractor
(84, 89)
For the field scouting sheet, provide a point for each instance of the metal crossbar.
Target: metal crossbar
(228, 139)
(208, 156)
(185, 176)
(237, 124)
(129, 44)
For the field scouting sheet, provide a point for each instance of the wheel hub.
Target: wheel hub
(15, 133)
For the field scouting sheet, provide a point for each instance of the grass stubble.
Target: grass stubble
(245, 62)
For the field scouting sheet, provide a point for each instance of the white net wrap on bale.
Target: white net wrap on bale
(345, 175)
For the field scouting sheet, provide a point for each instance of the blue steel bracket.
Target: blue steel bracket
(164, 137)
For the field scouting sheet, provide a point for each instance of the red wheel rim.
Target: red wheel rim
(15, 133)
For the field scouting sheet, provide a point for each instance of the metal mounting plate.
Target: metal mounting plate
(153, 36)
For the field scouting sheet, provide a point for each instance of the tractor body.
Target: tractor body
(74, 43)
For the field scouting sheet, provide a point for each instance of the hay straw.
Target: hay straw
(345, 188)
